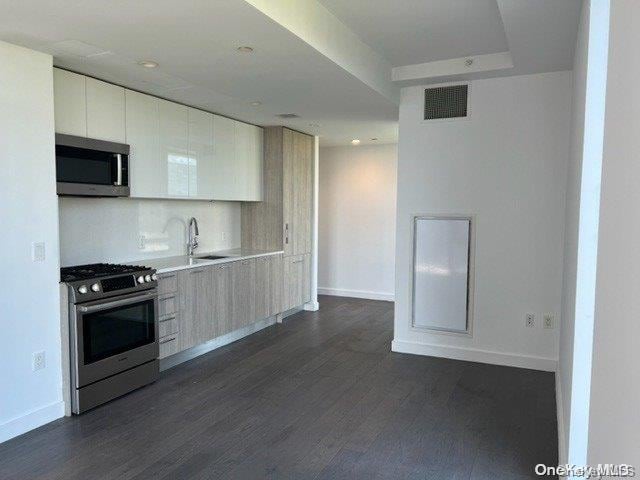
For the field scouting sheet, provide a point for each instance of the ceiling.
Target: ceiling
(332, 62)
(418, 31)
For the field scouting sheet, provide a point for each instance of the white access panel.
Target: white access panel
(441, 273)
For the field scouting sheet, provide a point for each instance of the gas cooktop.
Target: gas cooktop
(97, 270)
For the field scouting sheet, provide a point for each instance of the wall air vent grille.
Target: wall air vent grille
(445, 102)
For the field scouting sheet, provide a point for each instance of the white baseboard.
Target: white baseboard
(475, 355)
(562, 439)
(338, 292)
(29, 421)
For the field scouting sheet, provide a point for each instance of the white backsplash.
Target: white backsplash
(125, 229)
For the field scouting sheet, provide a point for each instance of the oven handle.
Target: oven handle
(117, 303)
(119, 167)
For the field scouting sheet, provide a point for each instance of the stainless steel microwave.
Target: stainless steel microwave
(91, 168)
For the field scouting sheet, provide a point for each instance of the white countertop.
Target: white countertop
(181, 262)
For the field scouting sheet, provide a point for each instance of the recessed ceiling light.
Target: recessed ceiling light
(245, 49)
(148, 64)
(256, 103)
(355, 141)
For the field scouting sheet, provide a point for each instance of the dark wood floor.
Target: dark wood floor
(320, 396)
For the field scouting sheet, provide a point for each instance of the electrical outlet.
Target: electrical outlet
(530, 320)
(548, 321)
(142, 242)
(38, 361)
(38, 253)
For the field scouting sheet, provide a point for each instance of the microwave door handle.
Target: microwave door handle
(117, 303)
(119, 169)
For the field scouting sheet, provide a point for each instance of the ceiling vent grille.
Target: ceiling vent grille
(288, 115)
(446, 102)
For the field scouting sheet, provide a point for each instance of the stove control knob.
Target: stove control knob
(95, 287)
(140, 279)
(147, 278)
(82, 289)
(154, 277)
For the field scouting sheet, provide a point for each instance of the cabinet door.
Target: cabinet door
(275, 273)
(296, 282)
(147, 173)
(288, 206)
(248, 162)
(105, 111)
(302, 193)
(201, 155)
(222, 299)
(174, 151)
(244, 307)
(70, 102)
(224, 180)
(263, 287)
(195, 319)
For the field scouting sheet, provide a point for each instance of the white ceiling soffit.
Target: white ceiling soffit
(195, 42)
(435, 41)
(317, 26)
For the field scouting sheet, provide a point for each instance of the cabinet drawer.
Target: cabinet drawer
(168, 346)
(168, 305)
(168, 283)
(168, 326)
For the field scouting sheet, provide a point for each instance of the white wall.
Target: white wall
(615, 383)
(357, 221)
(507, 166)
(581, 242)
(99, 229)
(29, 298)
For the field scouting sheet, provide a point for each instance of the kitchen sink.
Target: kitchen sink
(211, 257)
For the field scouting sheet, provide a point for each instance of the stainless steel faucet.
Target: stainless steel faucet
(193, 236)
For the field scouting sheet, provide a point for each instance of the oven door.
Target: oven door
(110, 336)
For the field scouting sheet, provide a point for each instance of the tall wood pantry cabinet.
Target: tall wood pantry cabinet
(282, 220)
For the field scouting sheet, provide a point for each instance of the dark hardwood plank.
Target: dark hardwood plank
(319, 397)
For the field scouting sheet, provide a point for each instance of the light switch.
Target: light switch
(38, 252)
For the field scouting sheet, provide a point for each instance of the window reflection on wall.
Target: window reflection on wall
(178, 174)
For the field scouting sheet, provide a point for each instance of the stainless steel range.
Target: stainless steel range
(113, 327)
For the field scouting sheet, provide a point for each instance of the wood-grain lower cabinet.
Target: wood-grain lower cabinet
(196, 306)
(222, 281)
(296, 288)
(199, 304)
(268, 286)
(243, 274)
(168, 314)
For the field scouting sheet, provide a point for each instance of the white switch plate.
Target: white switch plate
(224, 236)
(142, 242)
(548, 321)
(530, 320)
(39, 361)
(38, 252)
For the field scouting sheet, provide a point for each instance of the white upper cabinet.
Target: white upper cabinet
(176, 151)
(224, 140)
(238, 160)
(70, 102)
(105, 111)
(248, 162)
(147, 173)
(174, 147)
(201, 155)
